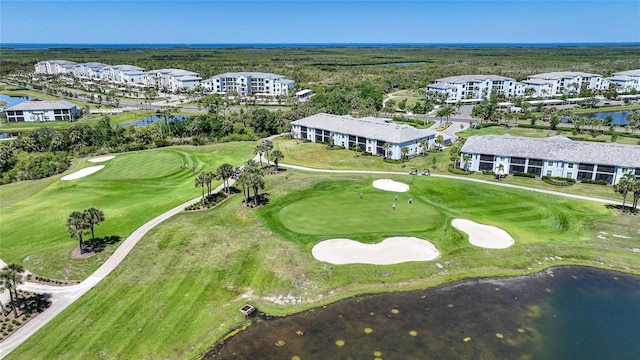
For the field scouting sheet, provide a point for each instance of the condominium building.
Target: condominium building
(369, 133)
(118, 73)
(55, 67)
(245, 83)
(568, 82)
(173, 79)
(89, 70)
(552, 156)
(626, 80)
(40, 111)
(475, 86)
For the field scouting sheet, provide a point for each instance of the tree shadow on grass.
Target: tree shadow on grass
(100, 244)
(626, 210)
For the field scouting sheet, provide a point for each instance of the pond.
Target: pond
(561, 313)
(619, 117)
(13, 100)
(151, 119)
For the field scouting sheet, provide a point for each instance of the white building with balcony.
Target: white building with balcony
(55, 67)
(41, 111)
(464, 87)
(569, 82)
(369, 133)
(92, 70)
(249, 83)
(173, 79)
(552, 156)
(626, 80)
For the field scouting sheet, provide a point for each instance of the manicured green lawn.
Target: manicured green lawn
(180, 288)
(132, 189)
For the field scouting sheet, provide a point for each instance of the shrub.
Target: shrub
(595, 182)
(559, 181)
(487, 172)
(524, 174)
(485, 125)
(458, 171)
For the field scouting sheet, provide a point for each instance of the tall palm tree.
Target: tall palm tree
(93, 217)
(2, 289)
(405, 151)
(6, 280)
(267, 145)
(17, 277)
(224, 172)
(257, 183)
(636, 194)
(201, 180)
(386, 147)
(244, 180)
(424, 144)
(259, 150)
(624, 186)
(276, 157)
(76, 226)
(467, 159)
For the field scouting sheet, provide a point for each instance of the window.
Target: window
(549, 163)
(549, 172)
(570, 174)
(570, 166)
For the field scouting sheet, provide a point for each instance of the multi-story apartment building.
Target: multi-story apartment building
(552, 156)
(91, 70)
(568, 82)
(116, 73)
(245, 83)
(475, 86)
(55, 67)
(626, 80)
(173, 79)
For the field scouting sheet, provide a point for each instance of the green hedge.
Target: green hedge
(524, 174)
(596, 182)
(558, 181)
(458, 171)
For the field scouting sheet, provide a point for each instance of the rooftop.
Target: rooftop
(561, 75)
(473, 78)
(42, 105)
(628, 72)
(556, 148)
(368, 127)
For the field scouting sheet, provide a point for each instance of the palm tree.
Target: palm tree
(439, 141)
(93, 217)
(386, 147)
(6, 280)
(201, 180)
(277, 156)
(467, 159)
(424, 144)
(17, 274)
(500, 171)
(257, 182)
(2, 289)
(267, 146)
(624, 186)
(244, 180)
(76, 226)
(636, 194)
(259, 150)
(405, 151)
(224, 172)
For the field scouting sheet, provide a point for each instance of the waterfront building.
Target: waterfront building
(40, 111)
(249, 83)
(369, 133)
(552, 156)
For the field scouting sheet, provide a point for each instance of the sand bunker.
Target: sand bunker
(101, 159)
(485, 236)
(392, 250)
(82, 173)
(390, 185)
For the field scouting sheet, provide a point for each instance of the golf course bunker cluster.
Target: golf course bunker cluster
(393, 250)
(90, 170)
(390, 185)
(484, 236)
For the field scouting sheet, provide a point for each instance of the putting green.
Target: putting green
(345, 213)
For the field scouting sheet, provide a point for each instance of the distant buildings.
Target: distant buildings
(468, 87)
(244, 83)
(552, 156)
(247, 83)
(369, 133)
(40, 111)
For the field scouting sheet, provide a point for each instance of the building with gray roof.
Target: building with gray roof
(552, 156)
(369, 133)
(55, 67)
(570, 82)
(246, 83)
(475, 86)
(626, 80)
(40, 111)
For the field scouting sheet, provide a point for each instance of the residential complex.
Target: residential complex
(552, 156)
(246, 83)
(466, 87)
(369, 133)
(40, 111)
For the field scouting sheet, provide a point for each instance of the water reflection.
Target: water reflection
(564, 313)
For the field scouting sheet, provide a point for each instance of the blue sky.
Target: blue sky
(193, 22)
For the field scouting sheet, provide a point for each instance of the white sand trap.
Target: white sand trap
(485, 236)
(82, 173)
(390, 185)
(101, 159)
(392, 250)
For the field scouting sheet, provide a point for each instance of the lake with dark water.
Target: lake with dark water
(618, 117)
(561, 313)
(13, 100)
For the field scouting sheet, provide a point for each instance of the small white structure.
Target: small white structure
(40, 111)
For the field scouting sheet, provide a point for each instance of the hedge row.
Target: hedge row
(524, 174)
(558, 181)
(596, 182)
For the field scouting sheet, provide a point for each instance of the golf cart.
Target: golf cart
(413, 171)
(426, 172)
